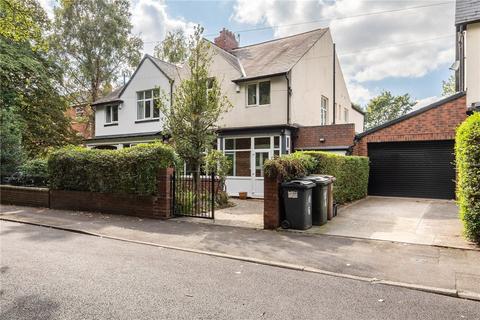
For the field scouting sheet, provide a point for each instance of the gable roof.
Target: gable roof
(168, 69)
(273, 57)
(467, 11)
(413, 114)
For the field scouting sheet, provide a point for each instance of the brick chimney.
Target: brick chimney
(226, 40)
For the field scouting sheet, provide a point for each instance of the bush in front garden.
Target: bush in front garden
(129, 170)
(351, 172)
(467, 158)
(34, 172)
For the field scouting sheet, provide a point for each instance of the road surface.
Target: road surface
(52, 274)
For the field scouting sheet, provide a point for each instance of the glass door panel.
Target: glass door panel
(260, 158)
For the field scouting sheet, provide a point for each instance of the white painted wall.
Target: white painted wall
(240, 115)
(311, 78)
(147, 77)
(472, 63)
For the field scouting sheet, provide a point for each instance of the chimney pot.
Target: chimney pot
(226, 40)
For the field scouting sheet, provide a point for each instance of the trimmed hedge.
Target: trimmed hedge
(34, 172)
(351, 172)
(130, 170)
(467, 156)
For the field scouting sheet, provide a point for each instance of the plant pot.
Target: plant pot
(242, 195)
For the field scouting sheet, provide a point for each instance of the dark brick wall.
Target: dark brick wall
(25, 196)
(333, 135)
(435, 124)
(271, 203)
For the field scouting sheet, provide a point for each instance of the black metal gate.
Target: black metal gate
(193, 197)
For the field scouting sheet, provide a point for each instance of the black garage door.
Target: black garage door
(421, 169)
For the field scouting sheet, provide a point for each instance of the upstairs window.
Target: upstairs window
(148, 103)
(258, 93)
(210, 83)
(323, 111)
(111, 114)
(345, 115)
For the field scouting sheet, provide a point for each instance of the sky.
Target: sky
(403, 46)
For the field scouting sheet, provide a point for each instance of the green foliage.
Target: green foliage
(467, 155)
(218, 163)
(386, 107)
(24, 21)
(11, 151)
(290, 166)
(34, 172)
(448, 87)
(94, 43)
(173, 48)
(128, 170)
(192, 117)
(351, 172)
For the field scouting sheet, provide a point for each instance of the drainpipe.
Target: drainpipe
(289, 92)
(333, 100)
(460, 57)
(171, 93)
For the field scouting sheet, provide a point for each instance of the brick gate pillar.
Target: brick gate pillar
(163, 203)
(271, 203)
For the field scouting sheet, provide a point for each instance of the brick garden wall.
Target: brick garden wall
(25, 196)
(333, 135)
(435, 124)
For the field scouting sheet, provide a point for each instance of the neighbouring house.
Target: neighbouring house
(467, 23)
(287, 94)
(77, 114)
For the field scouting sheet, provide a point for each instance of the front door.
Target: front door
(257, 171)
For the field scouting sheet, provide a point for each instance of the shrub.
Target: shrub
(290, 166)
(351, 173)
(34, 172)
(467, 155)
(129, 170)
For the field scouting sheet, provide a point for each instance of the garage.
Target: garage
(422, 169)
(413, 155)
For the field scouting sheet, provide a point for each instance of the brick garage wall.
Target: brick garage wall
(25, 196)
(438, 123)
(334, 135)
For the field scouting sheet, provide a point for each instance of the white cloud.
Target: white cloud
(151, 20)
(371, 47)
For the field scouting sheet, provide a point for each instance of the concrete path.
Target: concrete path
(51, 274)
(446, 268)
(244, 213)
(418, 221)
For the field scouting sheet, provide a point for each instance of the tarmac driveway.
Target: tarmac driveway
(419, 221)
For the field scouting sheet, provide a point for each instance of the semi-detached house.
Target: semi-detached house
(287, 94)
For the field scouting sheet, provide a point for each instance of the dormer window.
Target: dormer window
(258, 93)
(111, 114)
(148, 103)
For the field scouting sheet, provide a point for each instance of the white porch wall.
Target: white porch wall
(147, 77)
(472, 63)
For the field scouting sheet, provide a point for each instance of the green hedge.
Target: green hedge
(129, 170)
(34, 172)
(467, 156)
(351, 172)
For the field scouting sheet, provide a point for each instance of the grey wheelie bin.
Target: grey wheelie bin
(331, 179)
(297, 199)
(319, 199)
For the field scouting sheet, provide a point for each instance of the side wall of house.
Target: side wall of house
(472, 57)
(435, 124)
(148, 76)
(312, 78)
(240, 115)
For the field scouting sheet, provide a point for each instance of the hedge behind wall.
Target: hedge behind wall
(129, 170)
(467, 158)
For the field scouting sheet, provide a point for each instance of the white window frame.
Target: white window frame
(345, 114)
(257, 92)
(323, 111)
(107, 120)
(151, 100)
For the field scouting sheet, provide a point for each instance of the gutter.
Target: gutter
(289, 92)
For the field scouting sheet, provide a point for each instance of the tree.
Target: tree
(448, 87)
(386, 107)
(30, 81)
(196, 108)
(94, 41)
(12, 154)
(173, 48)
(219, 163)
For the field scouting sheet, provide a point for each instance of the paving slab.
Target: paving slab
(409, 263)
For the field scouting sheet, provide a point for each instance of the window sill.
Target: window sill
(110, 124)
(257, 105)
(148, 120)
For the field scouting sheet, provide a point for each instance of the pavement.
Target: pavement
(410, 220)
(243, 213)
(52, 274)
(449, 270)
